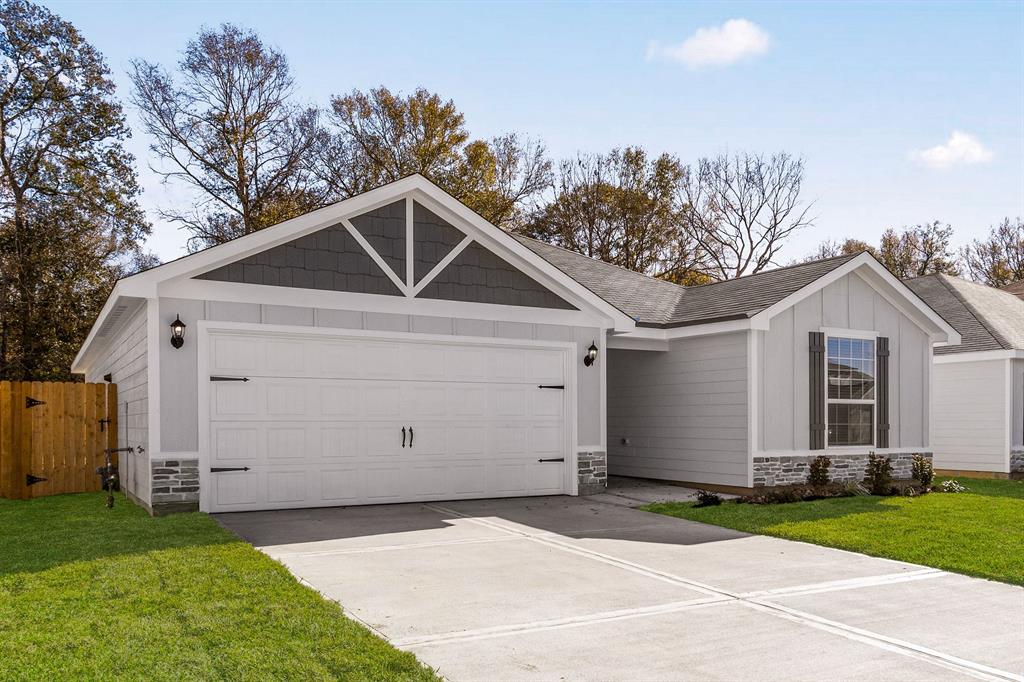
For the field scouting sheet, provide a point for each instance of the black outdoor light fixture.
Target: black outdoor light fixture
(591, 355)
(177, 332)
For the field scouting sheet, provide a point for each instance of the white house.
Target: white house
(978, 386)
(396, 347)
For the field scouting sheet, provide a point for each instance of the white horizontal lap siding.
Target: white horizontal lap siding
(969, 410)
(848, 303)
(125, 358)
(684, 411)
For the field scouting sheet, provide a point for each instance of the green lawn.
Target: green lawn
(978, 533)
(88, 593)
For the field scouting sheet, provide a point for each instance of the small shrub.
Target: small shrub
(951, 486)
(818, 475)
(878, 475)
(796, 494)
(922, 470)
(708, 498)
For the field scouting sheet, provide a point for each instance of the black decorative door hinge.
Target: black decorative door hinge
(552, 459)
(32, 402)
(103, 424)
(229, 378)
(215, 470)
(32, 480)
(559, 387)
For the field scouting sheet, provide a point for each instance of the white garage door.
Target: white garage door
(324, 421)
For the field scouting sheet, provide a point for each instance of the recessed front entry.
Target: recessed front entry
(316, 420)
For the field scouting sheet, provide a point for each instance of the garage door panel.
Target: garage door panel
(339, 442)
(235, 354)
(283, 399)
(237, 489)
(287, 486)
(286, 443)
(341, 485)
(320, 421)
(468, 479)
(235, 442)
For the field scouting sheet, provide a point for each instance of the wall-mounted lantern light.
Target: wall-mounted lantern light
(591, 355)
(177, 332)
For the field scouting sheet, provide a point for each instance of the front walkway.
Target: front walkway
(583, 589)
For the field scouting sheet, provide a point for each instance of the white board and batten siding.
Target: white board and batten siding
(969, 413)
(125, 358)
(783, 422)
(683, 411)
(326, 420)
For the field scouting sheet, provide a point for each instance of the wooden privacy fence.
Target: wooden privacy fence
(52, 436)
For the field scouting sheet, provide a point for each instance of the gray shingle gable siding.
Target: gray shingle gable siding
(384, 229)
(480, 276)
(330, 259)
(986, 318)
(433, 239)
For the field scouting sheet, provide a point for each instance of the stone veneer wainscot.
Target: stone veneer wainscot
(592, 470)
(175, 486)
(786, 470)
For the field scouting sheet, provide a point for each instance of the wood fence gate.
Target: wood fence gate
(52, 436)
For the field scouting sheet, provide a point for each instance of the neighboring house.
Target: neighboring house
(396, 347)
(978, 386)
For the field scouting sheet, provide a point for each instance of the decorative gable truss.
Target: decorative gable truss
(399, 249)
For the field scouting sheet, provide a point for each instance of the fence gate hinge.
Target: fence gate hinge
(32, 402)
(32, 480)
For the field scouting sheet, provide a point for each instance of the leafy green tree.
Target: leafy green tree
(997, 260)
(623, 208)
(225, 125)
(69, 220)
(375, 137)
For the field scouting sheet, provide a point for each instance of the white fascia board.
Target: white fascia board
(657, 334)
(631, 342)
(882, 281)
(237, 292)
(83, 359)
(978, 356)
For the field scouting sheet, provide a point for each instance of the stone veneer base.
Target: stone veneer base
(592, 472)
(175, 486)
(793, 470)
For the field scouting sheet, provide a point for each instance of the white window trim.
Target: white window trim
(836, 332)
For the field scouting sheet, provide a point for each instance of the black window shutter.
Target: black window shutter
(817, 381)
(882, 391)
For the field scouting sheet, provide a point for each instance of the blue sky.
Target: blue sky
(904, 112)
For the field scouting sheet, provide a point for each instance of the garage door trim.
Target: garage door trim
(206, 328)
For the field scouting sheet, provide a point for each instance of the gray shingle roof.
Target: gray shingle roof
(655, 303)
(987, 318)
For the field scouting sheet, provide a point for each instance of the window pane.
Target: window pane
(850, 424)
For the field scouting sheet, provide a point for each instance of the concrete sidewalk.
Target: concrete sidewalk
(581, 589)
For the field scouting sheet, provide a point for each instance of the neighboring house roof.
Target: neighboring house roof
(656, 303)
(1017, 288)
(988, 319)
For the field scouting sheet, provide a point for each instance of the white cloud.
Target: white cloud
(960, 148)
(735, 40)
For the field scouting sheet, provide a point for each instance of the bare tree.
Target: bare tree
(999, 259)
(914, 251)
(378, 136)
(622, 208)
(226, 127)
(742, 208)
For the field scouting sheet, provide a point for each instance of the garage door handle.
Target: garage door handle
(411, 435)
(403, 436)
(553, 459)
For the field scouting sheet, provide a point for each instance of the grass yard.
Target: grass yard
(979, 533)
(90, 593)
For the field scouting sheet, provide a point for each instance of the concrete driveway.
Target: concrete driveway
(591, 589)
